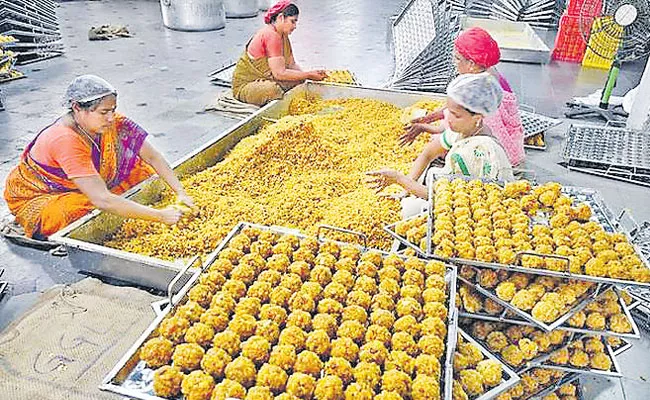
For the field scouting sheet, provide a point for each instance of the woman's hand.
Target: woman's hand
(184, 198)
(412, 133)
(383, 178)
(169, 215)
(317, 75)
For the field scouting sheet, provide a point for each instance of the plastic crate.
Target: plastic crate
(588, 8)
(570, 46)
(603, 44)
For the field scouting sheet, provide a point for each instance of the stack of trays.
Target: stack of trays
(527, 291)
(34, 24)
(273, 311)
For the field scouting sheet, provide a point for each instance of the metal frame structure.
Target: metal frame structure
(34, 24)
(423, 39)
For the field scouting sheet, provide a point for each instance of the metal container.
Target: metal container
(85, 237)
(266, 4)
(193, 15)
(241, 8)
(517, 41)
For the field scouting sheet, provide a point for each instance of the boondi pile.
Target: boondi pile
(303, 171)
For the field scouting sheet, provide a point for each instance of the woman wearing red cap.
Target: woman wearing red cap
(267, 68)
(475, 52)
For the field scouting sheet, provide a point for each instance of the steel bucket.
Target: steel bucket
(266, 4)
(241, 8)
(193, 15)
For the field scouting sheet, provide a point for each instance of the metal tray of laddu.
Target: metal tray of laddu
(132, 377)
(509, 376)
(613, 372)
(509, 317)
(601, 214)
(85, 237)
(393, 228)
(527, 364)
(578, 305)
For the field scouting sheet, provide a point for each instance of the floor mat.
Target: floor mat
(66, 344)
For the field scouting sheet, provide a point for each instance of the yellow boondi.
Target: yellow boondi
(301, 172)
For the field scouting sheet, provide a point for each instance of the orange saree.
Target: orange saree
(44, 200)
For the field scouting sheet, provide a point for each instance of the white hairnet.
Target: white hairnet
(479, 93)
(86, 88)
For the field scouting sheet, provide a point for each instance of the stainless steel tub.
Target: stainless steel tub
(85, 237)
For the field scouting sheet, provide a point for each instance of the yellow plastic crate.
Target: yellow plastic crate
(605, 41)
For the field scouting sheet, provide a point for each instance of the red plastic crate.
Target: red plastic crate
(569, 43)
(589, 8)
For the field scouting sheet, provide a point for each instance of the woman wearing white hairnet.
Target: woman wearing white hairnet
(471, 150)
(84, 160)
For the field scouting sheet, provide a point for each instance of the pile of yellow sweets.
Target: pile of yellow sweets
(305, 170)
(340, 76)
(474, 373)
(276, 315)
(488, 223)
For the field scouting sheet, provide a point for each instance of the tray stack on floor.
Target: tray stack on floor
(615, 153)
(34, 24)
(540, 276)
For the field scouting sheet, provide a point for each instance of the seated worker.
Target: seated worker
(84, 160)
(475, 51)
(267, 68)
(473, 151)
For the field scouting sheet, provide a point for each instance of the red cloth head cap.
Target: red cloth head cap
(275, 10)
(476, 45)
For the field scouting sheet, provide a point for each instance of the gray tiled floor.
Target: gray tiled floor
(161, 77)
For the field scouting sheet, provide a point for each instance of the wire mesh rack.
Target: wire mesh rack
(423, 39)
(615, 153)
(538, 13)
(34, 24)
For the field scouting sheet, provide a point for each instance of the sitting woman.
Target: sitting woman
(473, 151)
(475, 52)
(267, 68)
(84, 160)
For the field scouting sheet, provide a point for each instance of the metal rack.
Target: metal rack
(223, 76)
(615, 153)
(423, 39)
(35, 25)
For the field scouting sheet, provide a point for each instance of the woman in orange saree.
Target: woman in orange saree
(85, 160)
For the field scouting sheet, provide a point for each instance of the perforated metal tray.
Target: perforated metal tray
(607, 145)
(534, 123)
